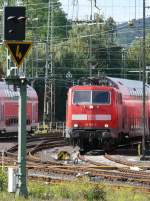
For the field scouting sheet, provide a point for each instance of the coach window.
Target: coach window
(15, 120)
(28, 121)
(138, 92)
(7, 122)
(141, 93)
(130, 92)
(2, 112)
(135, 92)
(12, 121)
(119, 98)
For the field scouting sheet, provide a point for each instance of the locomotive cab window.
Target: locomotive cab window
(91, 97)
(82, 97)
(100, 97)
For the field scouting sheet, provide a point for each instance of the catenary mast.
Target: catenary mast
(49, 90)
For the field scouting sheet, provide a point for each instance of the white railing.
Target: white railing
(57, 126)
(52, 127)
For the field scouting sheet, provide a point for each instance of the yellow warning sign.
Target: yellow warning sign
(18, 50)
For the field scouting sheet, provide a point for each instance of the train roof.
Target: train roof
(126, 82)
(125, 86)
(9, 92)
(132, 87)
(111, 81)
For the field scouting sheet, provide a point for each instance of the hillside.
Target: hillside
(126, 34)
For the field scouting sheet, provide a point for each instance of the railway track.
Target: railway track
(94, 170)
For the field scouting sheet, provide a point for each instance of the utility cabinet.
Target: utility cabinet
(12, 179)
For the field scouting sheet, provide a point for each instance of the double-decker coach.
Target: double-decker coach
(9, 108)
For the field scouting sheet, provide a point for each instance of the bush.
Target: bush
(98, 194)
(95, 193)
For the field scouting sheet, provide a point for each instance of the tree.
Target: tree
(41, 10)
(135, 57)
(89, 44)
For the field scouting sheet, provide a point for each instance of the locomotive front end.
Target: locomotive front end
(89, 115)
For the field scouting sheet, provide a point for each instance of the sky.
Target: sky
(120, 10)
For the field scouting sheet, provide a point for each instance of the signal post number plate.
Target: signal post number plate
(18, 50)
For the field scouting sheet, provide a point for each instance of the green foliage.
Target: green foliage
(3, 61)
(40, 191)
(127, 194)
(88, 44)
(3, 180)
(126, 34)
(78, 191)
(134, 58)
(37, 11)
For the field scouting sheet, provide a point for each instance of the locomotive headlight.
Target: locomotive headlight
(75, 125)
(106, 125)
(91, 107)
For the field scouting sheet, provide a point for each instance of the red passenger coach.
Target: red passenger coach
(9, 108)
(106, 111)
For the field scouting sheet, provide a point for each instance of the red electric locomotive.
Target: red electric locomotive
(106, 111)
(9, 108)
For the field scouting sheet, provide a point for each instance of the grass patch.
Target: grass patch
(125, 194)
(70, 191)
(81, 190)
(3, 179)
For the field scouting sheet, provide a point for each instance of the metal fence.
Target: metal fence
(51, 127)
(57, 127)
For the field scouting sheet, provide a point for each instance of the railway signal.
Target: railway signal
(18, 51)
(14, 36)
(14, 23)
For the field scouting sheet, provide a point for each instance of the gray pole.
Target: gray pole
(52, 84)
(22, 188)
(144, 91)
(91, 41)
(123, 63)
(49, 94)
(45, 87)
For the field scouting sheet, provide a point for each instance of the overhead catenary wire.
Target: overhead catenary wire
(129, 30)
(86, 36)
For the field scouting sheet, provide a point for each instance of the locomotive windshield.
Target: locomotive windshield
(91, 97)
(100, 97)
(82, 97)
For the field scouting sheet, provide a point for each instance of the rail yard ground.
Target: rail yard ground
(57, 172)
